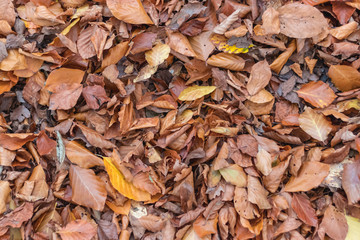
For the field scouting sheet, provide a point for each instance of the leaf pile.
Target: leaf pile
(173, 119)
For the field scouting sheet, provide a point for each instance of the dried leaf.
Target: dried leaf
(78, 229)
(157, 54)
(301, 21)
(87, 189)
(318, 94)
(259, 77)
(124, 187)
(179, 43)
(14, 141)
(130, 11)
(195, 92)
(344, 31)
(224, 25)
(45, 144)
(334, 223)
(351, 181)
(271, 21)
(315, 124)
(5, 193)
(234, 174)
(257, 193)
(79, 155)
(344, 77)
(263, 162)
(227, 60)
(65, 96)
(280, 61)
(63, 75)
(310, 176)
(304, 210)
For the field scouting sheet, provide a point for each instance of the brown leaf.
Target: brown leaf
(271, 21)
(115, 54)
(342, 11)
(4, 193)
(234, 174)
(301, 21)
(263, 162)
(227, 60)
(130, 11)
(63, 75)
(65, 96)
(16, 217)
(78, 229)
(344, 77)
(315, 124)
(79, 155)
(143, 42)
(259, 77)
(226, 23)
(310, 176)
(242, 205)
(95, 138)
(273, 180)
(14, 141)
(289, 224)
(13, 61)
(344, 31)
(247, 144)
(304, 210)
(95, 96)
(45, 144)
(202, 45)
(280, 61)
(257, 193)
(7, 11)
(157, 54)
(87, 189)
(351, 181)
(334, 223)
(179, 43)
(318, 94)
(6, 156)
(204, 227)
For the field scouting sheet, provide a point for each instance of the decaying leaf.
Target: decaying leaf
(78, 229)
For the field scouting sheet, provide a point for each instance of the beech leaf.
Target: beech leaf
(195, 92)
(318, 94)
(130, 11)
(315, 124)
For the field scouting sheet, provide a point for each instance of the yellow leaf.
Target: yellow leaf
(354, 228)
(124, 187)
(221, 44)
(157, 54)
(68, 28)
(195, 92)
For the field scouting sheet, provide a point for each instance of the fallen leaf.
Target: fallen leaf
(14, 141)
(95, 96)
(259, 77)
(310, 175)
(354, 228)
(204, 227)
(280, 61)
(234, 174)
(179, 43)
(78, 229)
(157, 54)
(289, 224)
(334, 223)
(7, 11)
(263, 162)
(271, 21)
(257, 193)
(227, 61)
(344, 77)
(301, 21)
(87, 189)
(79, 155)
(130, 11)
(195, 92)
(5, 193)
(303, 209)
(344, 31)
(351, 181)
(63, 75)
(318, 94)
(45, 144)
(65, 96)
(124, 187)
(315, 124)
(18, 216)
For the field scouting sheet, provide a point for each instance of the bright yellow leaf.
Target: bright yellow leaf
(124, 187)
(195, 92)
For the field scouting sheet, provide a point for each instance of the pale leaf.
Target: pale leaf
(195, 92)
(130, 11)
(315, 124)
(227, 60)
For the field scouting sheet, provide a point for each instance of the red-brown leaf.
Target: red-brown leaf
(304, 210)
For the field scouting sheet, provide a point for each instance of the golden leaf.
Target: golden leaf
(318, 94)
(195, 92)
(344, 31)
(344, 77)
(124, 187)
(157, 54)
(221, 44)
(130, 11)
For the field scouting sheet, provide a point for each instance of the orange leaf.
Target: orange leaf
(310, 175)
(344, 77)
(195, 92)
(63, 75)
(227, 60)
(130, 11)
(79, 155)
(315, 124)
(87, 189)
(124, 187)
(204, 227)
(14, 141)
(78, 229)
(259, 77)
(318, 94)
(304, 210)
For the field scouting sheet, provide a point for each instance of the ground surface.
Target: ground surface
(220, 119)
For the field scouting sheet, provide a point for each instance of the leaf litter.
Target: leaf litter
(173, 119)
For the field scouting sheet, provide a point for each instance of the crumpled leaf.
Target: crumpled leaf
(224, 25)
(195, 92)
(315, 124)
(87, 188)
(130, 11)
(318, 94)
(227, 60)
(310, 175)
(122, 185)
(78, 229)
(301, 21)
